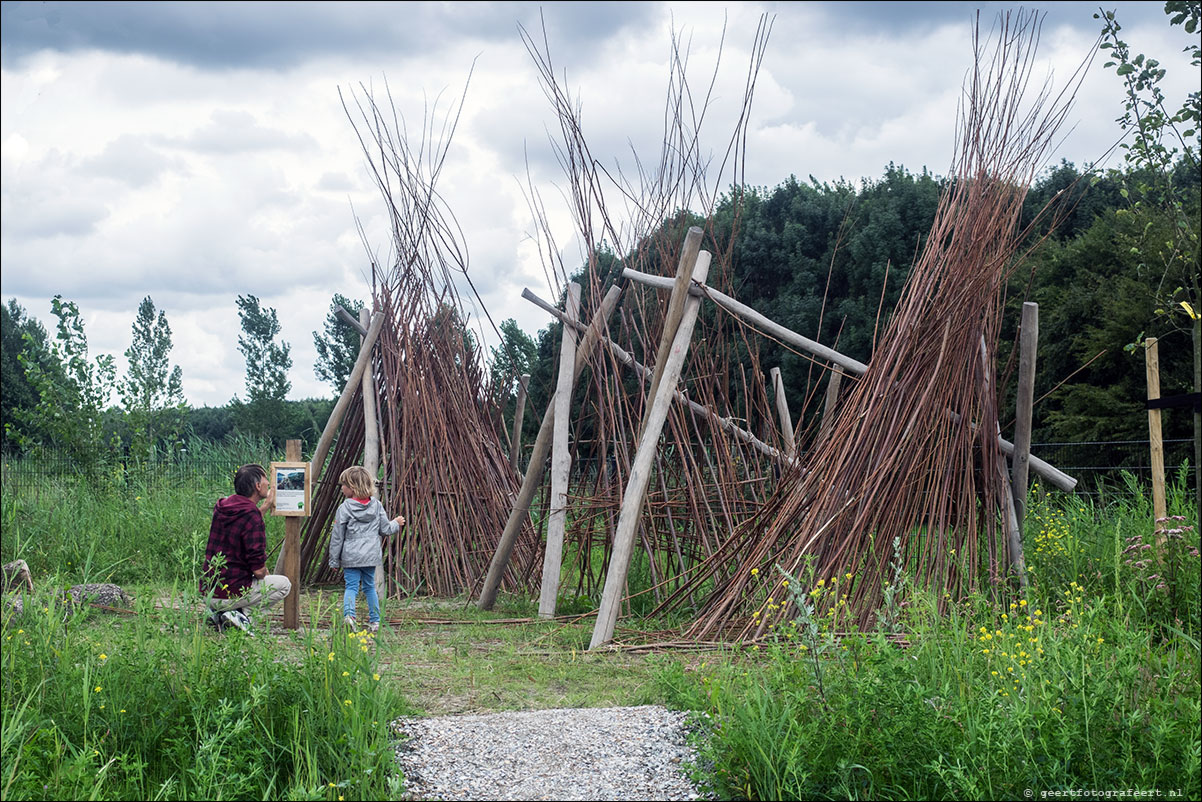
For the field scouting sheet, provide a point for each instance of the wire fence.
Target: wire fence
(1096, 465)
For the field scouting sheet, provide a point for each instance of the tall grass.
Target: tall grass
(158, 708)
(1091, 681)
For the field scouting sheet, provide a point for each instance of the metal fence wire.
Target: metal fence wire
(1095, 464)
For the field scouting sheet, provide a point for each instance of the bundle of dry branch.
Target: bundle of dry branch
(913, 461)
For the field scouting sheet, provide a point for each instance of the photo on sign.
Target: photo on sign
(291, 481)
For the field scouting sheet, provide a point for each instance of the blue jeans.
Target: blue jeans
(365, 578)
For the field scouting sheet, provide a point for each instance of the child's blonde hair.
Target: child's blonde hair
(361, 483)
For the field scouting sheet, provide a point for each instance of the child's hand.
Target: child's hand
(400, 519)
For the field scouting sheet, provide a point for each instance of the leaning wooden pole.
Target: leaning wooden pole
(538, 456)
(782, 412)
(680, 291)
(561, 459)
(640, 469)
(371, 431)
(519, 412)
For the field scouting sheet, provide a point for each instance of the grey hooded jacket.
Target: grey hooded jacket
(355, 539)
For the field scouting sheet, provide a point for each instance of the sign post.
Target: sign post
(293, 487)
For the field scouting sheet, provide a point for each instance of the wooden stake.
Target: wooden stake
(538, 456)
(1159, 507)
(519, 412)
(371, 431)
(561, 459)
(1028, 340)
(782, 412)
(640, 470)
(291, 552)
(680, 291)
(829, 405)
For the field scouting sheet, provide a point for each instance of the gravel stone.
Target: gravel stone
(613, 753)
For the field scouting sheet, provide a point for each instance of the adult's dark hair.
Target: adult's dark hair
(246, 478)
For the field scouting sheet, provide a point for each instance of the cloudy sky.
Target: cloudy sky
(194, 152)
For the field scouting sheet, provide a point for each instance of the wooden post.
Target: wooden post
(782, 412)
(371, 430)
(538, 455)
(680, 291)
(561, 459)
(1028, 340)
(640, 470)
(829, 404)
(519, 412)
(291, 552)
(1159, 507)
(1014, 536)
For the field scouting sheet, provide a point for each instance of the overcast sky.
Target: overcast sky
(194, 152)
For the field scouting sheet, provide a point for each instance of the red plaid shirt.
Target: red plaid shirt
(238, 533)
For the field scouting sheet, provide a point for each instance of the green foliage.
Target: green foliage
(513, 358)
(23, 340)
(338, 346)
(267, 366)
(72, 390)
(152, 391)
(158, 707)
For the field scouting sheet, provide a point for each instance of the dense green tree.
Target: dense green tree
(152, 390)
(1164, 147)
(22, 338)
(338, 345)
(267, 366)
(72, 393)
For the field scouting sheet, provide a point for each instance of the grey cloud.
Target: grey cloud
(233, 131)
(281, 35)
(47, 217)
(131, 160)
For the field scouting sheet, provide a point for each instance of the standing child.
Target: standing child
(355, 542)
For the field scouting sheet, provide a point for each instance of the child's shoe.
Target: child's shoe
(374, 626)
(349, 621)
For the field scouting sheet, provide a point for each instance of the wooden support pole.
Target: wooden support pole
(291, 550)
(538, 456)
(561, 459)
(1159, 507)
(782, 412)
(519, 412)
(1023, 409)
(680, 291)
(1014, 538)
(829, 405)
(371, 430)
(849, 365)
(640, 469)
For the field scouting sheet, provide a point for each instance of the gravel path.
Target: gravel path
(613, 753)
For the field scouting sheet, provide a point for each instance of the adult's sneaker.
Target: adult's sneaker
(236, 618)
(216, 621)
